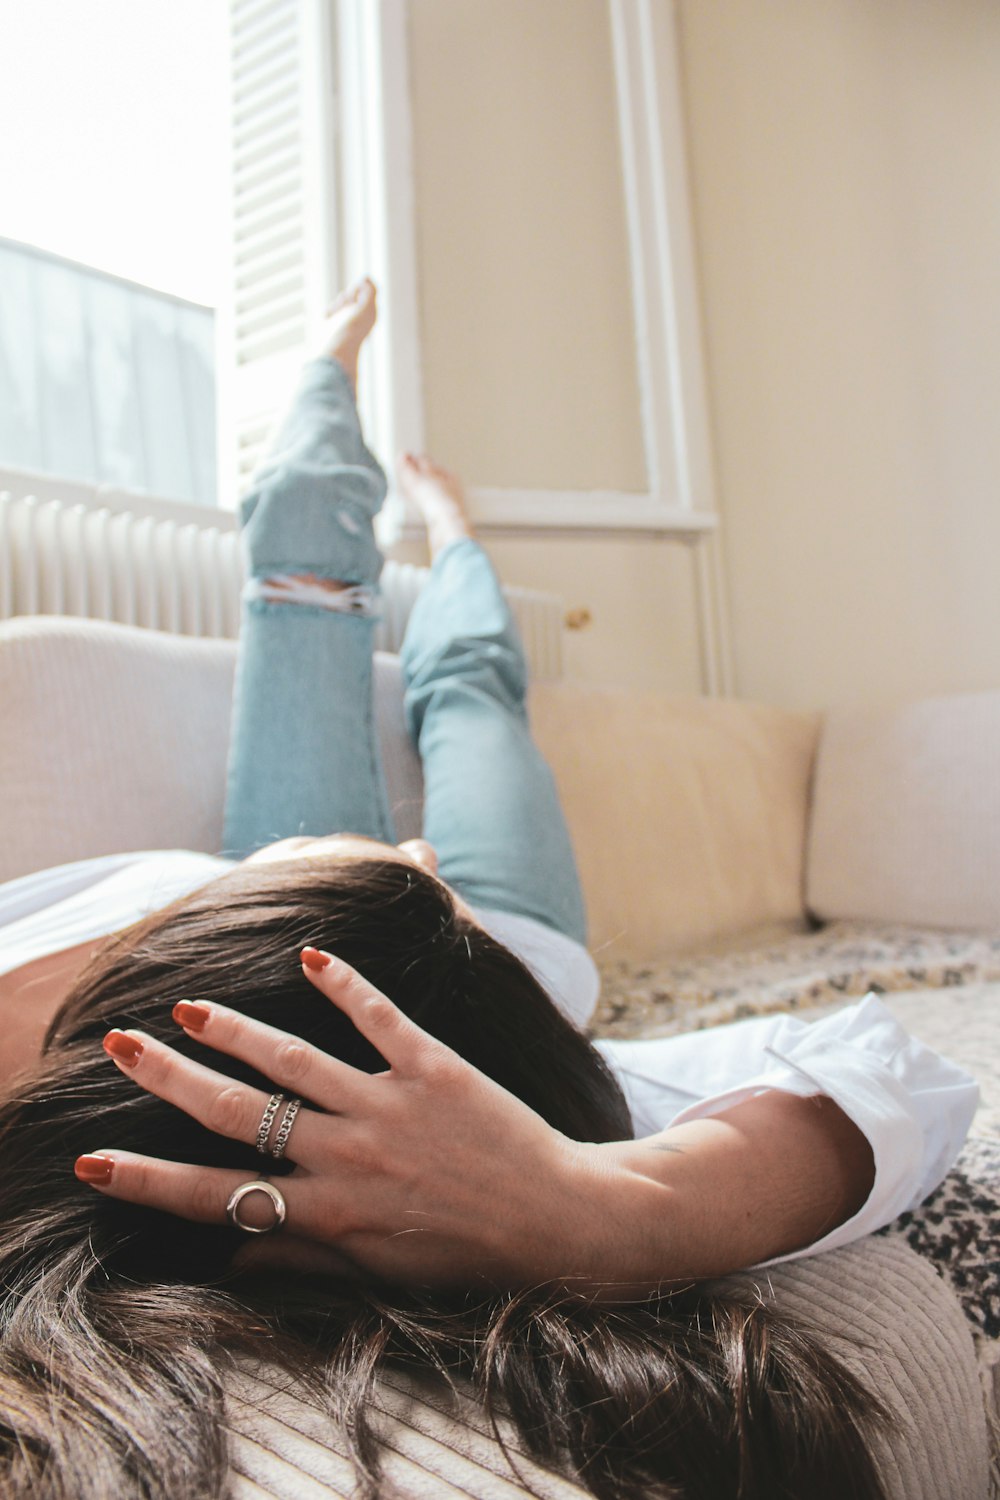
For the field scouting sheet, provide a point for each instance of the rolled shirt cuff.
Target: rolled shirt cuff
(913, 1106)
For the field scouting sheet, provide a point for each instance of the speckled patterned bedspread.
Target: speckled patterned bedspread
(943, 986)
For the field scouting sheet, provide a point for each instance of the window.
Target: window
(103, 381)
(112, 209)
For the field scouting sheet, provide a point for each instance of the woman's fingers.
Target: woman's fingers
(291, 1063)
(202, 1195)
(406, 1048)
(243, 1113)
(219, 1103)
(196, 1193)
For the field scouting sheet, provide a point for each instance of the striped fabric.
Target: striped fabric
(434, 1444)
(877, 1293)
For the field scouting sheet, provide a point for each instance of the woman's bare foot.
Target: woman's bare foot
(350, 318)
(438, 495)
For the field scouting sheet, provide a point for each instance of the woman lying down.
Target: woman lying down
(328, 1098)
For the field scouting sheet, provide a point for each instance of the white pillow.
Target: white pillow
(906, 814)
(115, 738)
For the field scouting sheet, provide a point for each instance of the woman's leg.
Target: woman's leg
(303, 755)
(491, 808)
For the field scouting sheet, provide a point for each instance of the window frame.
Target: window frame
(680, 497)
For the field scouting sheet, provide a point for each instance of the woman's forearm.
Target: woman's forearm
(711, 1196)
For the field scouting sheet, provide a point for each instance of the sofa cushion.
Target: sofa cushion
(114, 738)
(906, 814)
(688, 815)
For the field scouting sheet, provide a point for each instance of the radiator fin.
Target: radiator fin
(168, 573)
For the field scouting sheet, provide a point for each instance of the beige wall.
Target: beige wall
(845, 159)
(640, 596)
(527, 339)
(846, 163)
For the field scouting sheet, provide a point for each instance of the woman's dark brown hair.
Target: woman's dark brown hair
(116, 1321)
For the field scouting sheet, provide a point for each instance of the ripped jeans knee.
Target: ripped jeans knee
(310, 588)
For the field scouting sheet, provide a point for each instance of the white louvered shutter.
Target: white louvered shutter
(322, 193)
(284, 218)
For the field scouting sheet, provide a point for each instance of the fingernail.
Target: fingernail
(313, 958)
(94, 1169)
(191, 1016)
(123, 1048)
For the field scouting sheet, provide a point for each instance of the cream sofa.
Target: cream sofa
(711, 837)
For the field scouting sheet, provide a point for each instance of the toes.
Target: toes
(423, 463)
(359, 291)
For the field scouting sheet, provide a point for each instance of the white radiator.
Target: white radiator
(70, 550)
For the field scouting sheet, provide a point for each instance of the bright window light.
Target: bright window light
(113, 115)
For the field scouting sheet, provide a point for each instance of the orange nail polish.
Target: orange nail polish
(190, 1015)
(94, 1169)
(123, 1048)
(314, 959)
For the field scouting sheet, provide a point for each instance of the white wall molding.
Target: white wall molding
(666, 308)
(377, 234)
(378, 219)
(665, 298)
(587, 510)
(678, 504)
(711, 601)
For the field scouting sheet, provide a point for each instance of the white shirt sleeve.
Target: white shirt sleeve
(68, 904)
(914, 1106)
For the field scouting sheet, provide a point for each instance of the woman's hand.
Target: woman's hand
(429, 1173)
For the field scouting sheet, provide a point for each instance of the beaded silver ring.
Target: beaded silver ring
(285, 1128)
(266, 1121)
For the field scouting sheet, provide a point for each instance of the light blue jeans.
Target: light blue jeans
(303, 755)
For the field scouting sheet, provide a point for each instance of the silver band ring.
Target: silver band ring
(266, 1121)
(285, 1128)
(258, 1186)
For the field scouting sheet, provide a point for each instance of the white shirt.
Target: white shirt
(913, 1105)
(69, 904)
